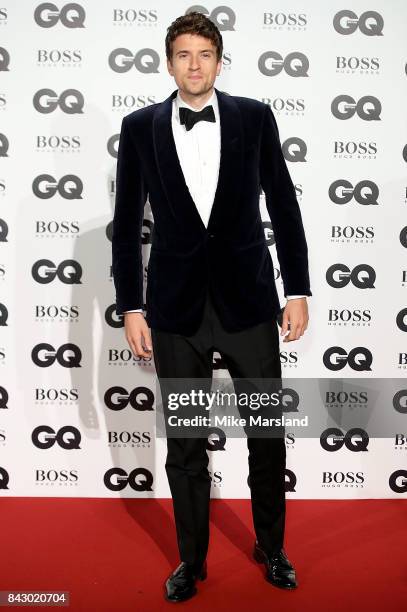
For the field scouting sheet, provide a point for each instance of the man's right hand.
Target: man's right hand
(138, 334)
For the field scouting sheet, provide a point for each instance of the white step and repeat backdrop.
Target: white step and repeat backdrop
(77, 409)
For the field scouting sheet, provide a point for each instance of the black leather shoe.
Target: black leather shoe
(180, 585)
(279, 570)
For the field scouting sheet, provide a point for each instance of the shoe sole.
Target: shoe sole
(257, 556)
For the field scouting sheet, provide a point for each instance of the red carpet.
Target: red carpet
(113, 555)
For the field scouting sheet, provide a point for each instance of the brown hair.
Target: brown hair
(193, 23)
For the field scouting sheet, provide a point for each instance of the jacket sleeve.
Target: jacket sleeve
(131, 196)
(284, 210)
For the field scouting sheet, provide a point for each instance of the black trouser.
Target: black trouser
(253, 352)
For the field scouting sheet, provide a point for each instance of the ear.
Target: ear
(169, 67)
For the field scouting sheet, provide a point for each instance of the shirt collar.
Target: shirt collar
(178, 102)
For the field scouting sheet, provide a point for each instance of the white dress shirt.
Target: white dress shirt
(198, 150)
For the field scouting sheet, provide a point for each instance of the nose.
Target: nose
(194, 64)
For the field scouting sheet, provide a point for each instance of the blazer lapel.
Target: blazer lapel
(230, 169)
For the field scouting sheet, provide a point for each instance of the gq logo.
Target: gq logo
(3, 398)
(290, 481)
(294, 150)
(69, 272)
(3, 315)
(69, 187)
(216, 439)
(398, 481)
(113, 145)
(67, 355)
(336, 358)
(146, 60)
(355, 440)
(71, 15)
(367, 108)
(365, 192)
(362, 276)
(369, 23)
(3, 231)
(399, 401)
(295, 64)
(140, 398)
(401, 320)
(139, 479)
(112, 318)
(4, 145)
(67, 437)
(70, 101)
(4, 60)
(4, 478)
(222, 16)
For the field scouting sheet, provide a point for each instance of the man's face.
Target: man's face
(194, 65)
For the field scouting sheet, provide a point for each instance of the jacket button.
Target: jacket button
(211, 235)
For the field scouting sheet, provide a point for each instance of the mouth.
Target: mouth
(194, 78)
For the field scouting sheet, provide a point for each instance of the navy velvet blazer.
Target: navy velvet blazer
(230, 257)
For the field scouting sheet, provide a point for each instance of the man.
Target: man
(203, 156)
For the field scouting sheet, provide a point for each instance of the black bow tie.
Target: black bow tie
(190, 117)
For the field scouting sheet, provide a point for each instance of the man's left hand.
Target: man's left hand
(296, 314)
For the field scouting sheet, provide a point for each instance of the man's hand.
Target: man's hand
(295, 313)
(138, 332)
